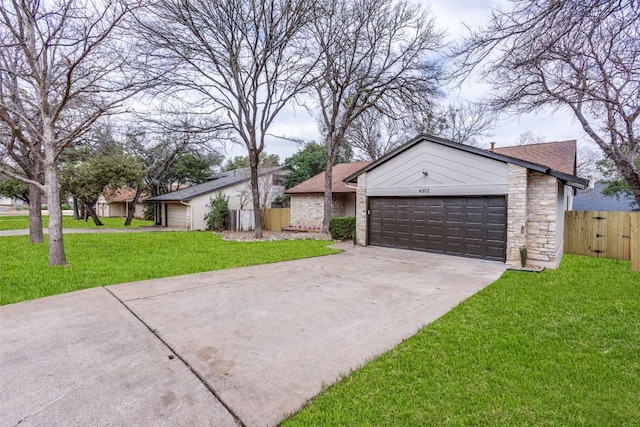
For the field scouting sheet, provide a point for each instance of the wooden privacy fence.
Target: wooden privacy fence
(240, 220)
(276, 219)
(272, 219)
(603, 234)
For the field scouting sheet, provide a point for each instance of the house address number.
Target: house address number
(424, 190)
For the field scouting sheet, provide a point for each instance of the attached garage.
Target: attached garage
(177, 215)
(435, 195)
(467, 226)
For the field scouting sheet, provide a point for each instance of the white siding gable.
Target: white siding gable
(449, 172)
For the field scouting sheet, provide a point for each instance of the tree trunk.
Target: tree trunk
(52, 185)
(255, 194)
(632, 177)
(328, 190)
(35, 214)
(76, 211)
(92, 213)
(132, 207)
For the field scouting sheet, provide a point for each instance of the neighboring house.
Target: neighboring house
(592, 199)
(307, 198)
(186, 208)
(435, 195)
(13, 203)
(116, 203)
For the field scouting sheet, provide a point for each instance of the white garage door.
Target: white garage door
(177, 215)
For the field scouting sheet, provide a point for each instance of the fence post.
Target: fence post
(634, 249)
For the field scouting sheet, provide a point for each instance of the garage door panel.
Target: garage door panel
(467, 226)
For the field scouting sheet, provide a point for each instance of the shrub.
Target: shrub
(43, 208)
(216, 218)
(342, 227)
(283, 201)
(65, 207)
(149, 211)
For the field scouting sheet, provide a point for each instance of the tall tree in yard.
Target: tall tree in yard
(16, 158)
(241, 59)
(63, 65)
(582, 56)
(98, 173)
(374, 54)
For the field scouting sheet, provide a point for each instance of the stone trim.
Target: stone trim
(516, 213)
(541, 220)
(361, 210)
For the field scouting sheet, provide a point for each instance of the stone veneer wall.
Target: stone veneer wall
(531, 217)
(361, 210)
(307, 209)
(516, 213)
(541, 220)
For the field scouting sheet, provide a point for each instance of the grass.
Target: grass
(551, 349)
(21, 222)
(106, 259)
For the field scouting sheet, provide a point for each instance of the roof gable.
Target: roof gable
(214, 183)
(340, 171)
(560, 155)
(568, 178)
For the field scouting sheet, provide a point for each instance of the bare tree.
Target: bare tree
(16, 158)
(529, 137)
(373, 134)
(243, 59)
(62, 66)
(583, 56)
(374, 54)
(587, 162)
(159, 143)
(466, 122)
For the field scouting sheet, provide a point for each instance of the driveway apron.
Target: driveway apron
(248, 345)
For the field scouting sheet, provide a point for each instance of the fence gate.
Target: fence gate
(603, 234)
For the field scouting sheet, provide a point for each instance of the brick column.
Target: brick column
(361, 210)
(516, 213)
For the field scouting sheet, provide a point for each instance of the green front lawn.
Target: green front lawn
(20, 222)
(106, 259)
(557, 348)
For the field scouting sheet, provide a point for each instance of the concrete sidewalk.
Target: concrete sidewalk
(95, 230)
(249, 345)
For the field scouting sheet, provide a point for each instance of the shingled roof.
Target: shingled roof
(563, 152)
(340, 172)
(592, 199)
(123, 195)
(560, 155)
(215, 183)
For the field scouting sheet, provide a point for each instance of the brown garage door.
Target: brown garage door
(468, 226)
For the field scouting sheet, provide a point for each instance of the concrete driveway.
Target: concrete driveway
(244, 346)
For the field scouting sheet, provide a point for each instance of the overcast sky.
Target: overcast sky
(296, 122)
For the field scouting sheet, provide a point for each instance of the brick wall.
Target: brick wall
(307, 209)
